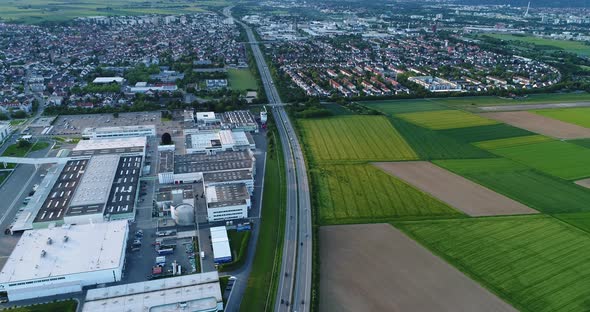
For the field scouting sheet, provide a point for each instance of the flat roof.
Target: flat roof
(88, 248)
(97, 180)
(165, 193)
(239, 118)
(221, 161)
(111, 144)
(166, 163)
(220, 242)
(226, 195)
(124, 186)
(134, 128)
(201, 292)
(62, 191)
(227, 176)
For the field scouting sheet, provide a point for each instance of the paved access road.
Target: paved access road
(294, 290)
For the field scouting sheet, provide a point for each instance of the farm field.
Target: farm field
(242, 79)
(584, 183)
(541, 124)
(561, 159)
(378, 261)
(485, 133)
(580, 220)
(431, 144)
(365, 194)
(582, 142)
(577, 116)
(405, 106)
(534, 189)
(537, 263)
(571, 46)
(354, 138)
(465, 195)
(510, 142)
(446, 119)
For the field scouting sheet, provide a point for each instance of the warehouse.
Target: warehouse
(196, 293)
(220, 242)
(61, 260)
(227, 202)
(229, 177)
(119, 132)
(211, 142)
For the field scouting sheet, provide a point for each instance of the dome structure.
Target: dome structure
(183, 214)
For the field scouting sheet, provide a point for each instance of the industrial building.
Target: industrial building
(119, 132)
(196, 293)
(189, 168)
(220, 243)
(62, 260)
(104, 80)
(227, 202)
(211, 142)
(435, 84)
(242, 120)
(98, 182)
(5, 130)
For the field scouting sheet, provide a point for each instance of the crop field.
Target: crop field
(405, 106)
(242, 79)
(541, 124)
(570, 46)
(537, 263)
(354, 138)
(430, 144)
(581, 142)
(542, 192)
(577, 116)
(363, 193)
(561, 159)
(580, 220)
(485, 133)
(510, 142)
(446, 119)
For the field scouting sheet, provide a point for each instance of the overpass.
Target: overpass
(33, 161)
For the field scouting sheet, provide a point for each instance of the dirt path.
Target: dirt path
(375, 267)
(523, 107)
(541, 124)
(584, 183)
(465, 195)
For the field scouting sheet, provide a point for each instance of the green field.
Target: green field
(363, 193)
(485, 133)
(580, 220)
(561, 159)
(263, 280)
(579, 116)
(39, 11)
(542, 192)
(581, 142)
(405, 106)
(577, 47)
(238, 242)
(430, 144)
(62, 306)
(511, 142)
(242, 80)
(354, 138)
(446, 119)
(537, 263)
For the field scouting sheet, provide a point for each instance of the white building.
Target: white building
(103, 80)
(119, 132)
(220, 243)
(208, 118)
(227, 202)
(434, 84)
(143, 87)
(62, 260)
(195, 292)
(211, 142)
(5, 130)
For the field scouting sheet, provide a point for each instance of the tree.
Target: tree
(166, 139)
(23, 144)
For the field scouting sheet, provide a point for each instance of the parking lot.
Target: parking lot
(74, 124)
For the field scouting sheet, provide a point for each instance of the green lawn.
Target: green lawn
(581, 142)
(405, 106)
(580, 220)
(446, 119)
(577, 47)
(242, 79)
(354, 138)
(363, 193)
(579, 116)
(431, 144)
(511, 142)
(39, 146)
(3, 176)
(537, 190)
(537, 263)
(62, 306)
(15, 151)
(263, 280)
(485, 133)
(238, 242)
(16, 122)
(561, 159)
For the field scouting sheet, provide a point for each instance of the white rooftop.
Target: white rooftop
(220, 242)
(206, 116)
(87, 145)
(89, 247)
(108, 79)
(118, 129)
(201, 292)
(97, 180)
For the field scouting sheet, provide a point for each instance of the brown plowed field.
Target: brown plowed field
(540, 124)
(458, 192)
(375, 267)
(584, 183)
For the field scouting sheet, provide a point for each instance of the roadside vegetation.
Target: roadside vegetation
(61, 306)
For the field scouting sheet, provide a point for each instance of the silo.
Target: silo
(183, 214)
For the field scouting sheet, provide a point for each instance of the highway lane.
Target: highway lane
(294, 290)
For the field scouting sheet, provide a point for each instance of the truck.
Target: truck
(202, 255)
(166, 251)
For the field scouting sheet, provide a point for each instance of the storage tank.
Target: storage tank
(183, 214)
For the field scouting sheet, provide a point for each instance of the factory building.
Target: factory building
(196, 293)
(119, 132)
(220, 243)
(62, 260)
(242, 120)
(211, 142)
(227, 202)
(5, 130)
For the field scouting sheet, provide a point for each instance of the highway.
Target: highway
(294, 289)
